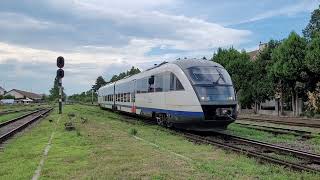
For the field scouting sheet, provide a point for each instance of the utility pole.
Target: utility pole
(60, 75)
(92, 96)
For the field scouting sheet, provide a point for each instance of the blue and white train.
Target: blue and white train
(191, 94)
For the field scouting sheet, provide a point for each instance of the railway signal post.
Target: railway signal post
(60, 75)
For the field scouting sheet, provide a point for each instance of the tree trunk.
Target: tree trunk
(239, 104)
(297, 105)
(281, 103)
(293, 98)
(255, 107)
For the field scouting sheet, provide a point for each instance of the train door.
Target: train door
(133, 95)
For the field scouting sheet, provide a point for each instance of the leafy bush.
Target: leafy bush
(314, 100)
(133, 131)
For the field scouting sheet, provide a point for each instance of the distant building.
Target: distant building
(24, 96)
(2, 91)
(254, 54)
(7, 101)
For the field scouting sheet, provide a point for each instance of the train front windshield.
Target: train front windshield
(212, 83)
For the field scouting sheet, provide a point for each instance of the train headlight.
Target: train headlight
(230, 98)
(203, 98)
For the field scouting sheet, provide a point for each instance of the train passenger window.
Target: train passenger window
(158, 83)
(151, 84)
(128, 97)
(133, 97)
(121, 97)
(142, 85)
(166, 82)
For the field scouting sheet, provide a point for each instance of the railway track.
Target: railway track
(9, 128)
(255, 153)
(17, 111)
(277, 130)
(290, 123)
(264, 152)
(252, 148)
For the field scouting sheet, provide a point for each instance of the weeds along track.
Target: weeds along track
(277, 130)
(283, 122)
(11, 127)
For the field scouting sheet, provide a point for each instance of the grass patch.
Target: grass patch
(133, 131)
(104, 148)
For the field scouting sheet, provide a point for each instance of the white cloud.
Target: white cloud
(16, 21)
(140, 25)
(303, 6)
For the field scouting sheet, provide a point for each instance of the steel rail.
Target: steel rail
(249, 153)
(312, 125)
(260, 156)
(277, 130)
(13, 131)
(302, 154)
(18, 118)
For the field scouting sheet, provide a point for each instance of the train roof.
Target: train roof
(186, 63)
(183, 64)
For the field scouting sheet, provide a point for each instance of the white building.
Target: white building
(24, 96)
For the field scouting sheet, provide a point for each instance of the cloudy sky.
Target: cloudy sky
(102, 37)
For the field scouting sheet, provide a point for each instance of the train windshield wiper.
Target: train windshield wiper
(220, 77)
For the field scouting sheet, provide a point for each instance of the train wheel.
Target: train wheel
(159, 121)
(169, 124)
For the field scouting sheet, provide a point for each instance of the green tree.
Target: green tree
(122, 75)
(288, 64)
(8, 97)
(313, 64)
(262, 83)
(99, 83)
(313, 26)
(240, 67)
(313, 56)
(54, 91)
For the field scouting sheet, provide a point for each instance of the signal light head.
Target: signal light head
(60, 62)
(60, 73)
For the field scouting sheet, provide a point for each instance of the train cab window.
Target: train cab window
(175, 84)
(158, 83)
(179, 86)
